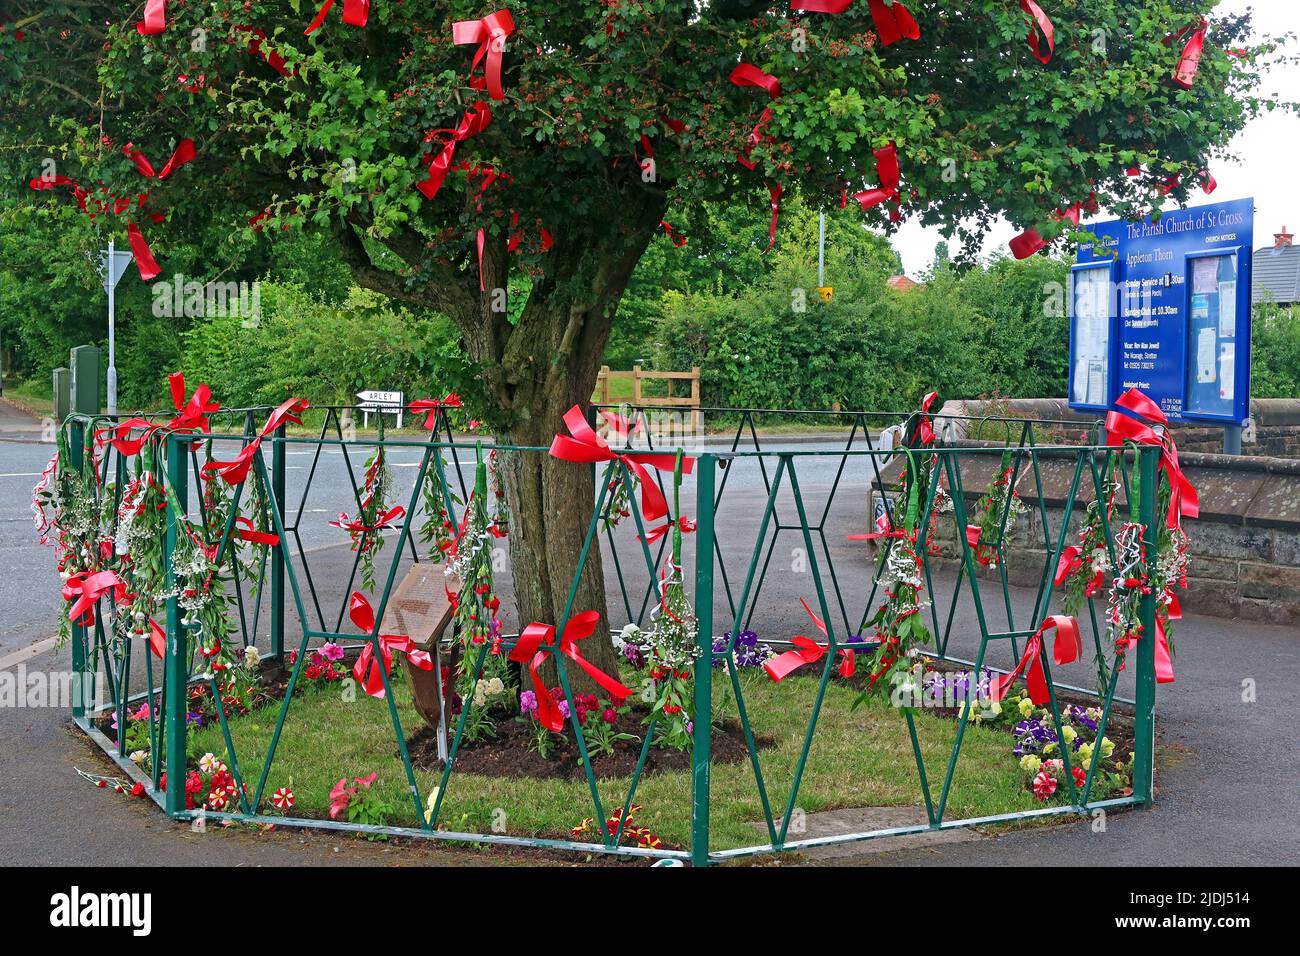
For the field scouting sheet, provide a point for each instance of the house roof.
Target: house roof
(901, 283)
(1276, 275)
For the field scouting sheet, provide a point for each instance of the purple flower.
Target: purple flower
(564, 709)
(633, 655)
(528, 702)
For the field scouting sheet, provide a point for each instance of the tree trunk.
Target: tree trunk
(533, 370)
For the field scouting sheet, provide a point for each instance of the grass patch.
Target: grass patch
(859, 758)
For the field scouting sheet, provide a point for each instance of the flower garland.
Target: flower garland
(670, 646)
(987, 534)
(475, 606)
(366, 530)
(439, 529)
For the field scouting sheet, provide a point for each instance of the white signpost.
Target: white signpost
(392, 403)
(111, 266)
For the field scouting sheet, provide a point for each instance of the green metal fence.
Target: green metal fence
(734, 565)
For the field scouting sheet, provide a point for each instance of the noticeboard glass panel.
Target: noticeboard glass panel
(1212, 334)
(1090, 343)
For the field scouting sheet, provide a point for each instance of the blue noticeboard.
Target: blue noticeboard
(1165, 307)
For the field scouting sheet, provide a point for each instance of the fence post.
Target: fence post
(705, 474)
(602, 385)
(177, 660)
(636, 384)
(1144, 724)
(695, 400)
(82, 683)
(277, 553)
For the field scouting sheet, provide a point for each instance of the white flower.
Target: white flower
(208, 762)
(252, 657)
(139, 756)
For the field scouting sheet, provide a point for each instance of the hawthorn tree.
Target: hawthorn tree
(560, 191)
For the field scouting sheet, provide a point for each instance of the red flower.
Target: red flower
(1080, 777)
(313, 671)
(1044, 785)
(610, 715)
(137, 790)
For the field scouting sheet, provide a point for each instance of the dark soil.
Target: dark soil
(510, 753)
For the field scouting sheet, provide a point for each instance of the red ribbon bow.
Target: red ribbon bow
(430, 407)
(528, 649)
(355, 13)
(236, 470)
(1070, 561)
(367, 668)
(1065, 650)
(1183, 499)
(183, 154)
(191, 416)
(654, 534)
(587, 447)
(84, 590)
(490, 34)
(471, 124)
(357, 525)
(1189, 61)
(888, 173)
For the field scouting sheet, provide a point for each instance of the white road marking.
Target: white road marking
(27, 653)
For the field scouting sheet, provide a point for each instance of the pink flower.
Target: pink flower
(331, 651)
(283, 798)
(340, 797)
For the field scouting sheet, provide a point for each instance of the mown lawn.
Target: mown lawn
(858, 759)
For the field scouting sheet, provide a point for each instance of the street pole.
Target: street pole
(112, 365)
(1232, 439)
(821, 250)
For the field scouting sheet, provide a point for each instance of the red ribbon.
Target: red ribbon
(893, 23)
(84, 590)
(157, 639)
(1183, 499)
(430, 407)
(155, 18)
(191, 416)
(677, 238)
(775, 193)
(821, 6)
(1065, 650)
(358, 525)
(367, 669)
(924, 430)
(586, 446)
(806, 651)
(620, 425)
(888, 173)
(355, 13)
(272, 59)
(236, 470)
(471, 124)
(654, 534)
(183, 154)
(1044, 27)
(244, 529)
(490, 34)
(528, 649)
(746, 74)
(1189, 61)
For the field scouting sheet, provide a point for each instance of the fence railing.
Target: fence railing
(746, 498)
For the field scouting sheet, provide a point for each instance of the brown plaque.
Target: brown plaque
(419, 607)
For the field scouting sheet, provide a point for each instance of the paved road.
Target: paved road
(1229, 784)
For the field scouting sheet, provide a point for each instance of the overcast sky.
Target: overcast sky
(1267, 158)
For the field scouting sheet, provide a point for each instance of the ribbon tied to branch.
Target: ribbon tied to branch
(236, 470)
(490, 34)
(84, 590)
